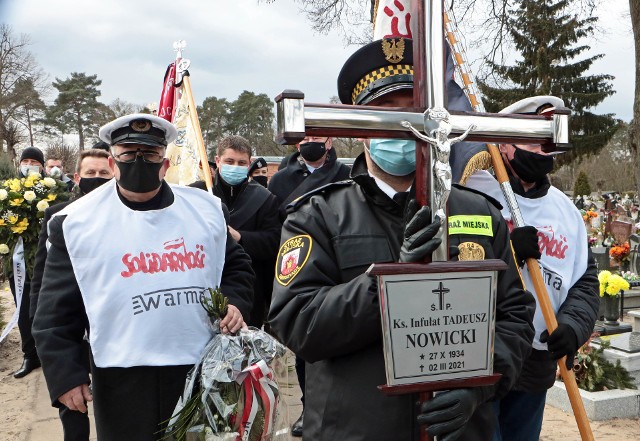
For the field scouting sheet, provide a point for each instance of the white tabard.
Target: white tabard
(141, 274)
(561, 236)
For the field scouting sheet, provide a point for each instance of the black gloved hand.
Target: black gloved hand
(419, 241)
(525, 243)
(561, 342)
(447, 413)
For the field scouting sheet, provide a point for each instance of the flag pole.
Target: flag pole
(182, 66)
(548, 313)
(193, 115)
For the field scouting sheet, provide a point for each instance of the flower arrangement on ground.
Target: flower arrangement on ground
(595, 373)
(231, 393)
(620, 253)
(611, 284)
(22, 205)
(631, 277)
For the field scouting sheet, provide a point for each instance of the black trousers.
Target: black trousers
(135, 403)
(301, 372)
(74, 424)
(24, 323)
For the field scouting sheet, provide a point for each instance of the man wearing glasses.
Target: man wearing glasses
(128, 263)
(555, 235)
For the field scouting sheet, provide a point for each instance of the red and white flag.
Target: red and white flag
(168, 97)
(393, 19)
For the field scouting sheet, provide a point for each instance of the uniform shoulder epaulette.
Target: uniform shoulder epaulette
(493, 201)
(328, 188)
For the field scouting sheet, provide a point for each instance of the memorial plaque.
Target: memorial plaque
(621, 231)
(438, 326)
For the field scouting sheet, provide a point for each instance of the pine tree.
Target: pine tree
(547, 37)
(582, 187)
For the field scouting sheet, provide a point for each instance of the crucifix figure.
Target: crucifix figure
(441, 151)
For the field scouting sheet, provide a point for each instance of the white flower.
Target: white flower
(42, 205)
(3, 194)
(29, 196)
(49, 182)
(4, 249)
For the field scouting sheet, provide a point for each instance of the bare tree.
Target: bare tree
(121, 108)
(16, 65)
(350, 18)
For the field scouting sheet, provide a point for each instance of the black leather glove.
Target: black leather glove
(419, 241)
(448, 413)
(525, 243)
(561, 342)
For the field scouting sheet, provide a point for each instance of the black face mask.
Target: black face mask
(87, 185)
(531, 167)
(261, 179)
(312, 151)
(139, 176)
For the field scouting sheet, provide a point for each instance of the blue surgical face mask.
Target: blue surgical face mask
(233, 174)
(396, 157)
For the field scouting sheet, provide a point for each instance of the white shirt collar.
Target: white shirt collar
(386, 188)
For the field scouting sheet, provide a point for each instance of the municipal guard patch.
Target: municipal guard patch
(292, 256)
(470, 251)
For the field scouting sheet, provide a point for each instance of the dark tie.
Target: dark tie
(400, 198)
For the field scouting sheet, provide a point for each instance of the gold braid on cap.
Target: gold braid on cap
(479, 161)
(378, 74)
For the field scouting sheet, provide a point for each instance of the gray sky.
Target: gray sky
(233, 46)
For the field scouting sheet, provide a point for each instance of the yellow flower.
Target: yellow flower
(21, 226)
(4, 248)
(42, 205)
(51, 197)
(14, 184)
(12, 219)
(3, 194)
(16, 202)
(29, 196)
(28, 183)
(603, 276)
(2, 223)
(49, 182)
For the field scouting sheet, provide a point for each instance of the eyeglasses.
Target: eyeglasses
(542, 150)
(149, 156)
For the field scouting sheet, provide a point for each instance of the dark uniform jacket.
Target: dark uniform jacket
(329, 312)
(294, 180)
(147, 394)
(579, 310)
(253, 212)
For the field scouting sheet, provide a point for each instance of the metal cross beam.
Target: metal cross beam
(295, 119)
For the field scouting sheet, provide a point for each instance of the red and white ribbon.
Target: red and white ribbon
(258, 379)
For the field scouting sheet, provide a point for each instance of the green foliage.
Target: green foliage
(594, 373)
(76, 109)
(581, 186)
(216, 304)
(547, 37)
(250, 116)
(7, 168)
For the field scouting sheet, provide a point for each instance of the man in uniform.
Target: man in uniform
(92, 171)
(253, 220)
(314, 164)
(557, 237)
(325, 307)
(128, 263)
(259, 171)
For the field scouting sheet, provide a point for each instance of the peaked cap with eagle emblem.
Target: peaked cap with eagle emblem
(139, 128)
(375, 69)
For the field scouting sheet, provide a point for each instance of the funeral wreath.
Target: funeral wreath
(22, 205)
(231, 393)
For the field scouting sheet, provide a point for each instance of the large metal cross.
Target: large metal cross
(295, 119)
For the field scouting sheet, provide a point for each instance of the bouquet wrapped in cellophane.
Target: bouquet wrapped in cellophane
(231, 393)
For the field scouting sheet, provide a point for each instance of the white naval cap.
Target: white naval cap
(139, 128)
(535, 105)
